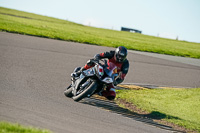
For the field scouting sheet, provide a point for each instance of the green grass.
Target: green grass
(6, 127)
(179, 106)
(43, 26)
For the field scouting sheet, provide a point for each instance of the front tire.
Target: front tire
(86, 92)
(68, 92)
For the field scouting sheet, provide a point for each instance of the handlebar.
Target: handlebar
(96, 61)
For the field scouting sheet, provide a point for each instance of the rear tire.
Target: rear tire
(86, 92)
(68, 92)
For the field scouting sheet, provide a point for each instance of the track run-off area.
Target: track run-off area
(35, 71)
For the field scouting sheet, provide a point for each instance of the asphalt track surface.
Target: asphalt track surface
(34, 72)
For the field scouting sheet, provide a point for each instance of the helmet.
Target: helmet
(120, 54)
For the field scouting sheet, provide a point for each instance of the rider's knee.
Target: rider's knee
(110, 94)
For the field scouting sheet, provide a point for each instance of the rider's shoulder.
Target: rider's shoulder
(109, 54)
(126, 62)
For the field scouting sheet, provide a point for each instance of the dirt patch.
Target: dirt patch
(134, 87)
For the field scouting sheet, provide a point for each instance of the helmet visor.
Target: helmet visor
(120, 57)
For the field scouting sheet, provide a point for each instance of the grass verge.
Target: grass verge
(6, 127)
(178, 106)
(42, 26)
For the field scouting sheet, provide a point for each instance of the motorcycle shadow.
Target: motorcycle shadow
(112, 106)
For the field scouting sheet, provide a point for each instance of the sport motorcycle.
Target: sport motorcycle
(92, 81)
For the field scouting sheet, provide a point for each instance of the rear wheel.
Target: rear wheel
(86, 92)
(68, 91)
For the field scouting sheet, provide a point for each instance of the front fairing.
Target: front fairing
(86, 73)
(89, 72)
(82, 79)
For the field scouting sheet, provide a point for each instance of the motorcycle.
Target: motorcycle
(92, 80)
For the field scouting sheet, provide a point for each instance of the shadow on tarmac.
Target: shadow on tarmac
(113, 107)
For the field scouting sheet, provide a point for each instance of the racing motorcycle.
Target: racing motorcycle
(92, 80)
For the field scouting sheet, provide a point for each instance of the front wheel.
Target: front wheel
(68, 92)
(88, 91)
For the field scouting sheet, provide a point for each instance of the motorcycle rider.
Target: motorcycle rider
(118, 57)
